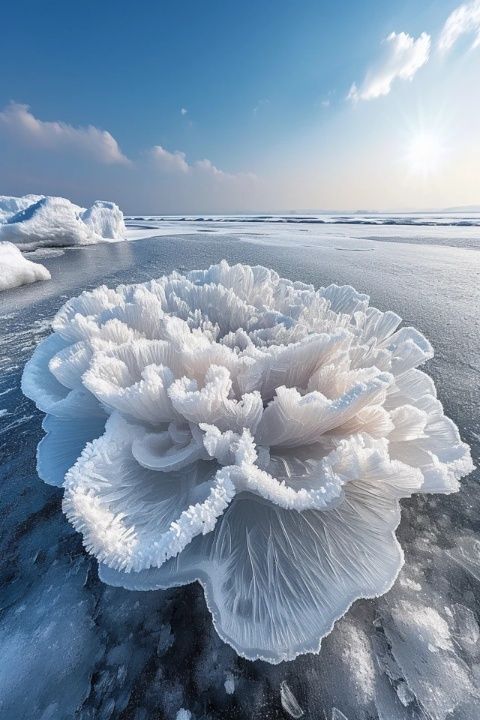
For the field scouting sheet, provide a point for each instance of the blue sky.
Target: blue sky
(223, 106)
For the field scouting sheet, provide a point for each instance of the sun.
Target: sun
(425, 153)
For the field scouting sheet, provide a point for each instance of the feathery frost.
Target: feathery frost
(254, 434)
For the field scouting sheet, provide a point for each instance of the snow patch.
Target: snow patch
(16, 270)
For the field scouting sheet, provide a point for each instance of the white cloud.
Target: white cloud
(207, 167)
(176, 163)
(464, 19)
(403, 56)
(170, 161)
(55, 158)
(21, 125)
(183, 111)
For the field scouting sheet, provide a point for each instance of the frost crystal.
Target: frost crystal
(245, 431)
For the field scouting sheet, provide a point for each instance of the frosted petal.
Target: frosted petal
(157, 451)
(64, 442)
(276, 580)
(132, 517)
(409, 349)
(345, 299)
(145, 399)
(38, 383)
(438, 451)
(68, 365)
(378, 326)
(292, 419)
(311, 564)
(408, 388)
(212, 403)
(291, 365)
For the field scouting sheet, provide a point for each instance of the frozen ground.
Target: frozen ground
(73, 648)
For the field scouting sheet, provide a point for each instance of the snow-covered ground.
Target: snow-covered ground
(75, 648)
(317, 231)
(16, 270)
(35, 221)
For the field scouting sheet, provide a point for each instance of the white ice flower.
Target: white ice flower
(251, 433)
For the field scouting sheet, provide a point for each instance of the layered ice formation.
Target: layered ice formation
(16, 270)
(34, 221)
(254, 434)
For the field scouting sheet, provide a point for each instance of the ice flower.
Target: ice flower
(254, 434)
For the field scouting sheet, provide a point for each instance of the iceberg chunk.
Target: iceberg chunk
(55, 221)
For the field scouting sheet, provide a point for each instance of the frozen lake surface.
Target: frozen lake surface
(74, 648)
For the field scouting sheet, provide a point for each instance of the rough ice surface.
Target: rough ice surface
(16, 270)
(249, 432)
(183, 714)
(229, 684)
(54, 221)
(289, 701)
(54, 662)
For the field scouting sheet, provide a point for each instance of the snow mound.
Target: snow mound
(105, 219)
(254, 434)
(55, 221)
(10, 205)
(16, 270)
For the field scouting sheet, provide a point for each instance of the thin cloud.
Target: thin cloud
(183, 111)
(403, 55)
(18, 122)
(464, 20)
(176, 163)
(170, 161)
(260, 105)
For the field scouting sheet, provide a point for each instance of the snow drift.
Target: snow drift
(54, 221)
(233, 427)
(10, 205)
(16, 270)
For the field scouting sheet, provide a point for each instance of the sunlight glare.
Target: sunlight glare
(425, 153)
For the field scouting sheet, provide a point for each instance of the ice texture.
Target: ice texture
(183, 714)
(55, 221)
(229, 684)
(54, 663)
(16, 270)
(252, 433)
(289, 701)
